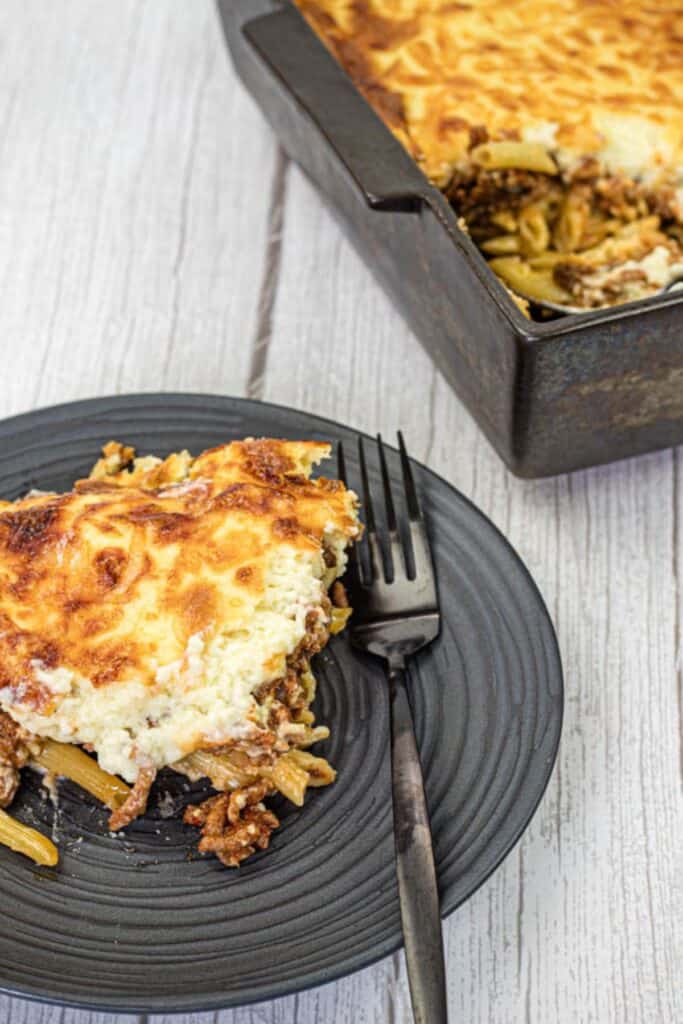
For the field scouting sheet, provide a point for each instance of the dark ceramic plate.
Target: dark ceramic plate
(141, 922)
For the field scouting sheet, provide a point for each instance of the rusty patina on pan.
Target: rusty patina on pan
(551, 397)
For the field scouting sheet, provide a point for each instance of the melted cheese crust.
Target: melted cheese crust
(139, 611)
(602, 78)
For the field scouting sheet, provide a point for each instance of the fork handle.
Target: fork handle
(417, 885)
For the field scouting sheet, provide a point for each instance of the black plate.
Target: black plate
(141, 922)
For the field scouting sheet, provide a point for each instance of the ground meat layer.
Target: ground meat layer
(14, 753)
(233, 825)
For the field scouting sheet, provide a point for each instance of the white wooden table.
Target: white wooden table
(152, 236)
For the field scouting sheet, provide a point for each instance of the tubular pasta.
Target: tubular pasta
(291, 773)
(537, 284)
(533, 231)
(290, 779)
(320, 771)
(22, 839)
(571, 223)
(502, 245)
(523, 156)
(73, 763)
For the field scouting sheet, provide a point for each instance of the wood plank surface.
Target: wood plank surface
(153, 237)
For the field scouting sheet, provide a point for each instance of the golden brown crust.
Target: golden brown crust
(127, 576)
(112, 579)
(552, 127)
(437, 71)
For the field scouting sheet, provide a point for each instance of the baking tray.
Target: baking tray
(551, 397)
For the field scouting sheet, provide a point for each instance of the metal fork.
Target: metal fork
(396, 613)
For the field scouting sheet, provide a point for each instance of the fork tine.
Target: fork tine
(388, 497)
(376, 561)
(397, 552)
(423, 566)
(367, 497)
(353, 570)
(408, 482)
(341, 464)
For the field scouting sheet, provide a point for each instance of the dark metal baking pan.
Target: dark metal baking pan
(551, 397)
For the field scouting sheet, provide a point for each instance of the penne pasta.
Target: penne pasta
(506, 220)
(320, 771)
(73, 763)
(534, 232)
(224, 771)
(291, 773)
(536, 284)
(571, 223)
(501, 245)
(546, 259)
(522, 156)
(29, 841)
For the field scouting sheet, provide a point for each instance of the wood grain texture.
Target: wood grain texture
(151, 237)
(133, 221)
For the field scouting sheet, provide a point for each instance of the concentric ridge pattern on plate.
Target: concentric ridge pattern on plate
(177, 931)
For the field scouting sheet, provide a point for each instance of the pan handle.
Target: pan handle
(382, 170)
